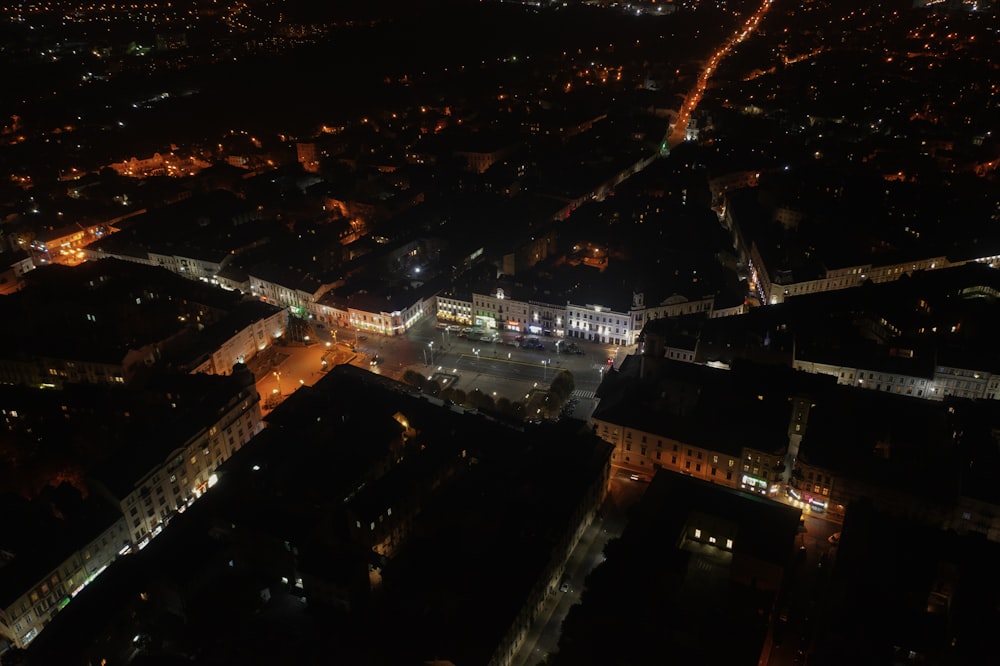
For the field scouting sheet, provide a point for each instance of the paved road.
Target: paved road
(543, 636)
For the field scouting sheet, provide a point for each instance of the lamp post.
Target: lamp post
(545, 368)
(430, 346)
(277, 378)
(475, 351)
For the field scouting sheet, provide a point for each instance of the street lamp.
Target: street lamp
(545, 368)
(430, 345)
(277, 378)
(475, 351)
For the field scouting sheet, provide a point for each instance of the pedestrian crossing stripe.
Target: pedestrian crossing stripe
(590, 395)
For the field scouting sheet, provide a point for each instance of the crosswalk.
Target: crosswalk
(589, 395)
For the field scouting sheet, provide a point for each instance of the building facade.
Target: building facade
(25, 613)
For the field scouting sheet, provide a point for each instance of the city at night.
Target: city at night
(499, 332)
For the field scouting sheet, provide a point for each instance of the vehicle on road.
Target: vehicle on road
(564, 584)
(834, 538)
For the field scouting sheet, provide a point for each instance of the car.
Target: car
(564, 584)
(375, 360)
(834, 538)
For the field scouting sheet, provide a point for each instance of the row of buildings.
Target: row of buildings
(360, 499)
(130, 462)
(124, 389)
(887, 394)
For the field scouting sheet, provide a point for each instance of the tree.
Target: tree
(505, 406)
(479, 400)
(562, 386)
(457, 396)
(414, 378)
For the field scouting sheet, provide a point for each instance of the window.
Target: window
(697, 533)
(697, 467)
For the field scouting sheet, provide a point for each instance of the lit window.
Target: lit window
(729, 544)
(711, 539)
(697, 533)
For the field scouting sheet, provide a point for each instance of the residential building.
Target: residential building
(50, 550)
(179, 459)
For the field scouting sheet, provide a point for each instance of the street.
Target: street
(543, 636)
